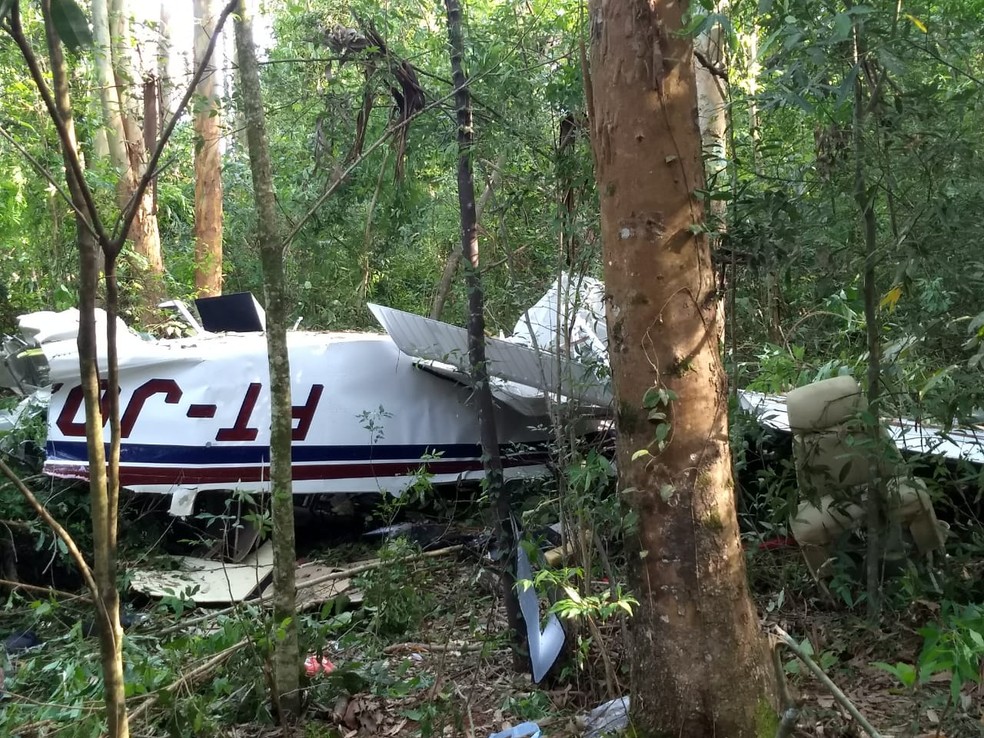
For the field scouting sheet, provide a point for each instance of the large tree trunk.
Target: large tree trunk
(491, 460)
(699, 666)
(286, 654)
(102, 475)
(208, 167)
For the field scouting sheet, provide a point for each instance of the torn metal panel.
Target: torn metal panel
(568, 320)
(183, 501)
(525, 400)
(206, 581)
(909, 436)
(545, 645)
(433, 340)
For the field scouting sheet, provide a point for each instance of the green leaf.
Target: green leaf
(842, 28)
(640, 453)
(905, 673)
(71, 24)
(847, 86)
(977, 639)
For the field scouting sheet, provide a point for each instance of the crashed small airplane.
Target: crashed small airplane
(373, 411)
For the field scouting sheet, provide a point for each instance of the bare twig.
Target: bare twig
(187, 678)
(50, 591)
(47, 175)
(55, 526)
(789, 709)
(433, 647)
(377, 563)
(16, 32)
(19, 524)
(714, 69)
(790, 643)
(934, 55)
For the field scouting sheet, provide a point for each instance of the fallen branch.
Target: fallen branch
(188, 678)
(378, 563)
(19, 524)
(33, 729)
(51, 591)
(790, 643)
(788, 708)
(432, 647)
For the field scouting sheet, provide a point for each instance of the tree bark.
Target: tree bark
(712, 114)
(104, 520)
(208, 165)
(167, 45)
(877, 492)
(491, 459)
(286, 653)
(699, 666)
(454, 258)
(106, 79)
(568, 132)
(128, 153)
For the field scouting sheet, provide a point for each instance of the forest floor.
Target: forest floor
(423, 655)
(474, 691)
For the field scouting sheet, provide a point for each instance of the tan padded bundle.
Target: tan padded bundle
(832, 454)
(824, 404)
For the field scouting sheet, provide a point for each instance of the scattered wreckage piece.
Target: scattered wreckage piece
(207, 581)
(315, 587)
(214, 582)
(607, 719)
(523, 730)
(545, 644)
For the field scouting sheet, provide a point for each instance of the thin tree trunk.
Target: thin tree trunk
(491, 460)
(151, 123)
(208, 165)
(712, 114)
(286, 654)
(454, 258)
(699, 665)
(566, 141)
(106, 79)
(771, 283)
(127, 150)
(165, 49)
(874, 506)
(104, 522)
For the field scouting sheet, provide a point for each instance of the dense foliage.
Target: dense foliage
(790, 257)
